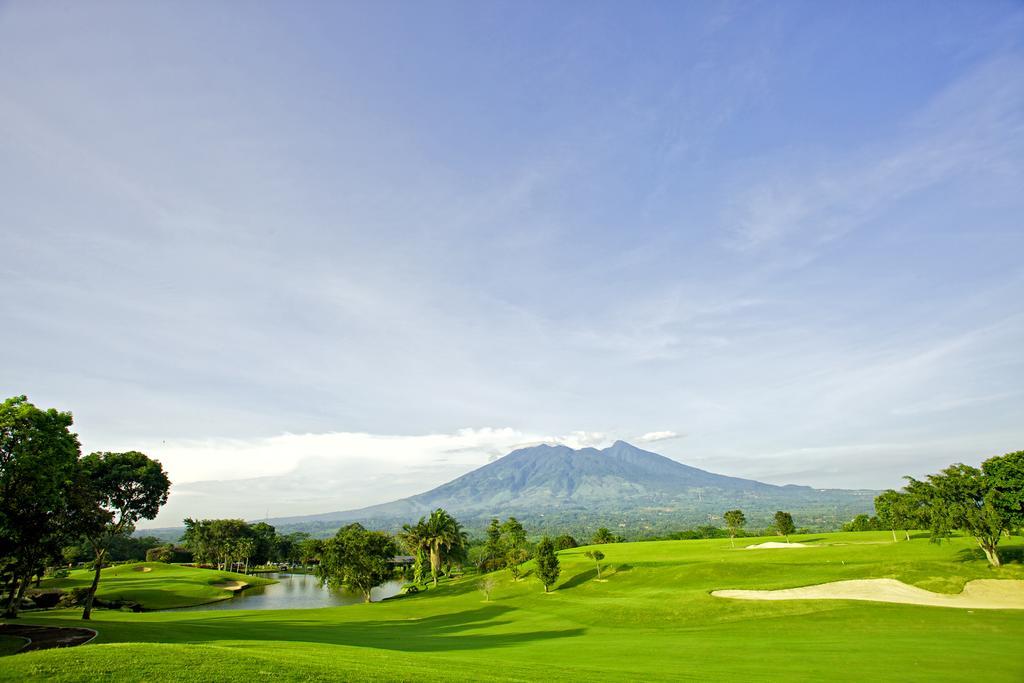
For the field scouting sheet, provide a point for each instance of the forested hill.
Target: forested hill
(558, 487)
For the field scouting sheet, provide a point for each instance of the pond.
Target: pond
(295, 591)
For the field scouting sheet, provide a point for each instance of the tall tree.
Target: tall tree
(1005, 474)
(122, 489)
(602, 536)
(38, 456)
(784, 524)
(513, 536)
(494, 551)
(895, 511)
(983, 503)
(265, 540)
(735, 520)
(357, 559)
(548, 568)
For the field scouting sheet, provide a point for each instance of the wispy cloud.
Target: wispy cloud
(975, 124)
(651, 437)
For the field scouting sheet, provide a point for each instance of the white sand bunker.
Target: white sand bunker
(143, 569)
(979, 594)
(774, 544)
(230, 585)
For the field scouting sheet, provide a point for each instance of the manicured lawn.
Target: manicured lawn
(156, 585)
(651, 619)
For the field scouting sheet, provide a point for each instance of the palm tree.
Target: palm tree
(414, 538)
(440, 536)
(445, 539)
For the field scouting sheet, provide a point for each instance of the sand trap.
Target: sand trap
(143, 569)
(978, 594)
(230, 585)
(774, 544)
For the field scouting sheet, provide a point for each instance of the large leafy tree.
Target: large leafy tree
(983, 503)
(357, 559)
(784, 524)
(895, 510)
(602, 536)
(735, 520)
(38, 456)
(1005, 475)
(119, 489)
(265, 538)
(548, 567)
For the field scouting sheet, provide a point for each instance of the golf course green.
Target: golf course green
(651, 616)
(155, 585)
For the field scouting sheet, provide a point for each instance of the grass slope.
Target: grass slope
(156, 585)
(651, 619)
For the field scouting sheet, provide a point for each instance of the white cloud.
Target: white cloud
(660, 436)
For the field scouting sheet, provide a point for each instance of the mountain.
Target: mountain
(559, 487)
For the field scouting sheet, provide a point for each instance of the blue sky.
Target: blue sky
(365, 247)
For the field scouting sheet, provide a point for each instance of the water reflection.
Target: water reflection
(295, 591)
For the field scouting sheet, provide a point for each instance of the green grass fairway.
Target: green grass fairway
(161, 587)
(652, 618)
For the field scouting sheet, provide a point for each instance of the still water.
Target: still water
(295, 591)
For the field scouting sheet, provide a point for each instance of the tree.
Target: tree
(486, 586)
(265, 540)
(1005, 475)
(967, 498)
(310, 551)
(863, 522)
(565, 541)
(163, 553)
(38, 457)
(357, 559)
(602, 536)
(514, 542)
(548, 568)
(494, 551)
(440, 536)
(895, 511)
(735, 520)
(596, 556)
(121, 489)
(246, 548)
(784, 524)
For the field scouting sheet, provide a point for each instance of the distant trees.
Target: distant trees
(602, 536)
(115, 491)
(564, 542)
(357, 559)
(596, 556)
(983, 503)
(895, 511)
(864, 523)
(735, 520)
(784, 524)
(548, 567)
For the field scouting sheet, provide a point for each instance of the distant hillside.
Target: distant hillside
(560, 488)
